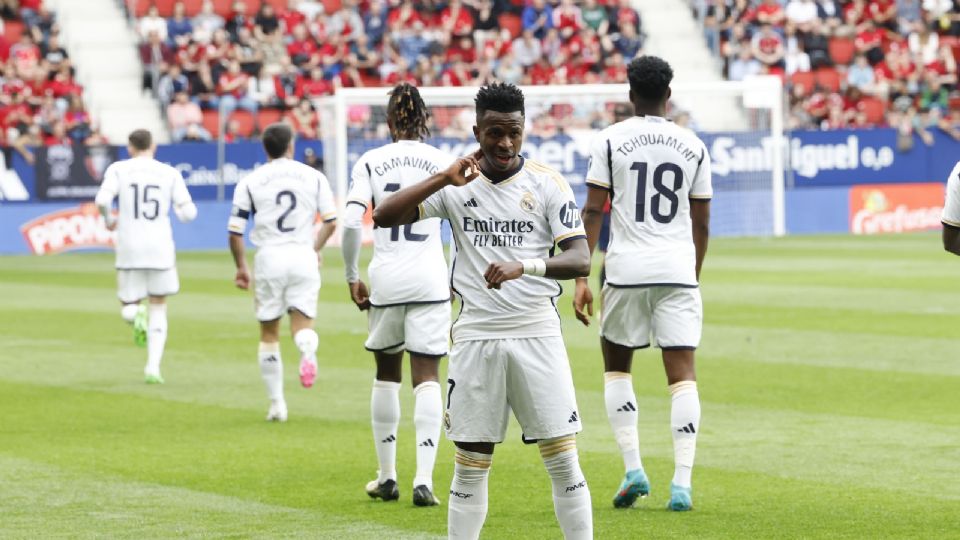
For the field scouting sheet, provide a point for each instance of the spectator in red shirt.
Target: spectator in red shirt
(456, 20)
(883, 13)
(286, 84)
(869, 42)
(290, 17)
(302, 48)
(316, 86)
(567, 19)
(25, 55)
(457, 75)
(232, 89)
(57, 136)
(541, 72)
(770, 12)
(403, 17)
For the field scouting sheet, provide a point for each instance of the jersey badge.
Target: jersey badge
(527, 203)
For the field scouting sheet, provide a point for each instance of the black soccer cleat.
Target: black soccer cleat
(388, 491)
(422, 496)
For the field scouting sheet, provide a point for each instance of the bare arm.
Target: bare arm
(592, 223)
(700, 215)
(242, 279)
(401, 208)
(324, 234)
(951, 239)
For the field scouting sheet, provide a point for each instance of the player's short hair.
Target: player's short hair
(140, 139)
(276, 139)
(649, 78)
(499, 97)
(408, 113)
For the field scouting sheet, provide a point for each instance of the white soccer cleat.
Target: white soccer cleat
(277, 412)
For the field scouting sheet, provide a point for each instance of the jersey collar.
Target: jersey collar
(506, 177)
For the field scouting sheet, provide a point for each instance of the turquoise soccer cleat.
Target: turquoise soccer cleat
(634, 485)
(140, 327)
(680, 499)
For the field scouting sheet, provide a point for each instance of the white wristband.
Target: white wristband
(534, 267)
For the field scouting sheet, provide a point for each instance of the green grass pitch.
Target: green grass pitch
(829, 373)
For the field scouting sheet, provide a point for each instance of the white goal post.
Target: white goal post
(743, 119)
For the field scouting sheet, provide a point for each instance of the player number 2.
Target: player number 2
(408, 233)
(663, 191)
(149, 201)
(292, 202)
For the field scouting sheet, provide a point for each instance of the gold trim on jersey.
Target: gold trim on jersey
(704, 197)
(951, 223)
(328, 215)
(563, 237)
(420, 211)
(551, 172)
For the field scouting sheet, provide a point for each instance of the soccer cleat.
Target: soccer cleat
(277, 412)
(388, 491)
(422, 496)
(308, 371)
(680, 499)
(634, 485)
(140, 327)
(151, 378)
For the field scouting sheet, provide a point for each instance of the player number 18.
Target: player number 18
(663, 191)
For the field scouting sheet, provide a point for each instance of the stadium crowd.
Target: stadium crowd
(40, 102)
(275, 58)
(847, 63)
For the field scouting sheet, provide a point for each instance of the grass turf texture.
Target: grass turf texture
(828, 374)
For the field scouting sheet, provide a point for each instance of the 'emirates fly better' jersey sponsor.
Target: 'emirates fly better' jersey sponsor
(521, 217)
(145, 189)
(408, 264)
(652, 169)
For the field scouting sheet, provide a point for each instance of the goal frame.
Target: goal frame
(758, 93)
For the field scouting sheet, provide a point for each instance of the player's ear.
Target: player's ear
(476, 133)
(669, 94)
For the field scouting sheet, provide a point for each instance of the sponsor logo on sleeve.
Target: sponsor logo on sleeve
(570, 215)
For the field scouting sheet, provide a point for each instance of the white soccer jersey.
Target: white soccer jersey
(408, 264)
(522, 217)
(652, 168)
(284, 197)
(951, 207)
(146, 189)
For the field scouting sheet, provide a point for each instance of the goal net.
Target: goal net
(738, 121)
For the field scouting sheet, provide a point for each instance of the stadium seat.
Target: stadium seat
(12, 30)
(268, 116)
(828, 78)
(511, 23)
(165, 7)
(804, 78)
(211, 122)
(841, 51)
(331, 6)
(874, 108)
(955, 103)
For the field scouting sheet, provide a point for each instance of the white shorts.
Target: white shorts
(420, 329)
(285, 278)
(135, 285)
(635, 317)
(486, 379)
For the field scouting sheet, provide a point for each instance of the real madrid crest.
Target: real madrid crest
(527, 203)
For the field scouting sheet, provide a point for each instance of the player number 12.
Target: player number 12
(670, 193)
(408, 233)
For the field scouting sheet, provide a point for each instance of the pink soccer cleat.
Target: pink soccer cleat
(308, 371)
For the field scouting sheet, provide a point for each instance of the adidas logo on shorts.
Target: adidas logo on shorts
(573, 418)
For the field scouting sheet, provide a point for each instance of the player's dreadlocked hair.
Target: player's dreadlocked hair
(499, 97)
(649, 78)
(408, 113)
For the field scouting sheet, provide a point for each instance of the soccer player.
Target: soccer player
(507, 214)
(285, 198)
(657, 176)
(409, 302)
(951, 213)
(145, 190)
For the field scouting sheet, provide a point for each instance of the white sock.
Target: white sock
(156, 337)
(307, 342)
(622, 411)
(385, 414)
(427, 412)
(467, 508)
(571, 496)
(129, 312)
(685, 423)
(271, 369)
